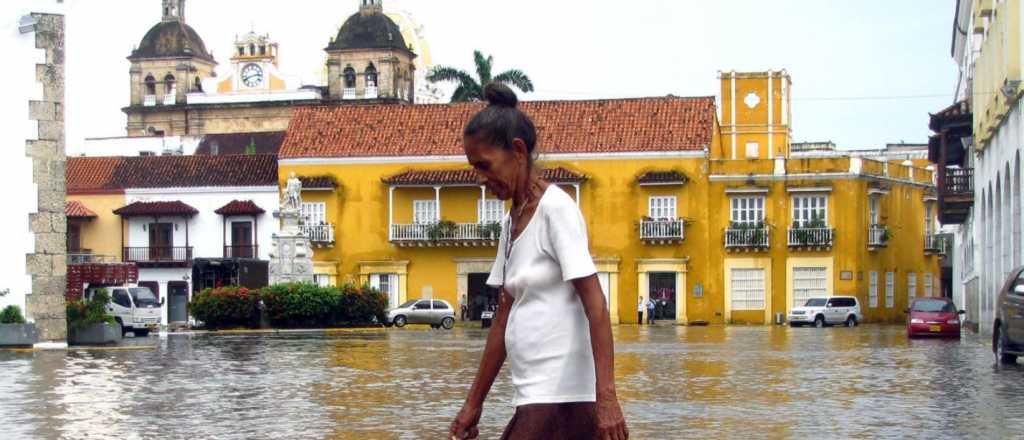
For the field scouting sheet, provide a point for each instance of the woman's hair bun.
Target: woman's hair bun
(498, 94)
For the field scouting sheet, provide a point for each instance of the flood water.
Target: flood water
(673, 382)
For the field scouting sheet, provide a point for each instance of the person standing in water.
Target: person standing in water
(552, 324)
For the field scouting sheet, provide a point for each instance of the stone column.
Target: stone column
(48, 265)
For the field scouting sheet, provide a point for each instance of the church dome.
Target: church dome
(369, 31)
(172, 38)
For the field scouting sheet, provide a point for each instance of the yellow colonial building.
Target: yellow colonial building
(710, 210)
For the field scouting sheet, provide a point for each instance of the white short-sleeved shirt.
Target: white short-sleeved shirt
(547, 339)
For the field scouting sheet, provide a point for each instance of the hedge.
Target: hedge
(226, 307)
(83, 313)
(11, 315)
(289, 305)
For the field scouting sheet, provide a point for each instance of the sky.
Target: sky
(865, 73)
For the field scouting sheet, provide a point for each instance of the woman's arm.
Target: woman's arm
(610, 422)
(464, 425)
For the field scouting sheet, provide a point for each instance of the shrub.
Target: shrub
(301, 305)
(83, 313)
(362, 305)
(229, 306)
(11, 315)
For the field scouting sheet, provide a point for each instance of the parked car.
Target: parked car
(827, 311)
(933, 316)
(438, 313)
(1008, 328)
(136, 308)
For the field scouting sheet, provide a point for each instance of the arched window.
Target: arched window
(350, 77)
(241, 50)
(263, 49)
(150, 85)
(199, 85)
(170, 85)
(252, 49)
(371, 76)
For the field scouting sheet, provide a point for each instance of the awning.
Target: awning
(671, 177)
(75, 209)
(468, 177)
(318, 183)
(240, 207)
(138, 209)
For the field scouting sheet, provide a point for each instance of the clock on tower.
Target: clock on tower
(252, 75)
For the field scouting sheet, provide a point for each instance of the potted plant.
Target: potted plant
(442, 229)
(491, 231)
(14, 331)
(89, 323)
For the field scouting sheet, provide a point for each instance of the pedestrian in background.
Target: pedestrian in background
(552, 323)
(640, 311)
(464, 309)
(650, 311)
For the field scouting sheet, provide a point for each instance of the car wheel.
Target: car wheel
(139, 333)
(124, 330)
(448, 323)
(819, 321)
(851, 321)
(1000, 349)
(793, 324)
(400, 321)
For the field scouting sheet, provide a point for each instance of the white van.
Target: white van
(135, 308)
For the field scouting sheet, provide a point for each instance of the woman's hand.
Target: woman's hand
(464, 425)
(610, 423)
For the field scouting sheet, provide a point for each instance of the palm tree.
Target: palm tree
(472, 89)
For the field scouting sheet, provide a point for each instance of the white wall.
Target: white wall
(162, 276)
(133, 146)
(206, 229)
(20, 195)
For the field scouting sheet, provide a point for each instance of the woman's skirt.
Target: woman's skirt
(553, 421)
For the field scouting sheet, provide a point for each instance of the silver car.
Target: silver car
(438, 313)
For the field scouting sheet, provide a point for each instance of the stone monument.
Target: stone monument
(291, 257)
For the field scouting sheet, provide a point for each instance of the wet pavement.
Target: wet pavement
(674, 382)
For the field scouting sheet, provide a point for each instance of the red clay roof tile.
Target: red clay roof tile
(175, 207)
(466, 176)
(114, 174)
(75, 209)
(612, 125)
(240, 207)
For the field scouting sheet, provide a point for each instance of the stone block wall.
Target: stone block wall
(48, 264)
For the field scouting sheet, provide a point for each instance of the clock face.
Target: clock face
(252, 75)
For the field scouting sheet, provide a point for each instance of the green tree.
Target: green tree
(472, 89)
(251, 148)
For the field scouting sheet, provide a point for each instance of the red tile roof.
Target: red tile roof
(87, 175)
(611, 125)
(175, 207)
(662, 177)
(466, 176)
(75, 209)
(240, 207)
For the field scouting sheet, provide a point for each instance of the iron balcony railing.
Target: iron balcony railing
(878, 235)
(241, 251)
(818, 237)
(157, 254)
(445, 232)
(935, 243)
(747, 238)
(83, 256)
(318, 233)
(662, 229)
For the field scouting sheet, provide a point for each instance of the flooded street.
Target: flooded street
(674, 382)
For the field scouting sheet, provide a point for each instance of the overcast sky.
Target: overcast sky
(864, 72)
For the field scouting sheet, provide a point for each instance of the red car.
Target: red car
(933, 317)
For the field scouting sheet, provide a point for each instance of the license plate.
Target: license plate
(934, 328)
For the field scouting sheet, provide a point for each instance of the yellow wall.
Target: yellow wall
(102, 234)
(998, 62)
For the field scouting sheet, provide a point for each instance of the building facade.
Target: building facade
(718, 222)
(163, 212)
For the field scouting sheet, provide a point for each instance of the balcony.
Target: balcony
(445, 233)
(319, 235)
(370, 92)
(348, 93)
(169, 99)
(661, 231)
(241, 251)
(878, 236)
(811, 238)
(85, 256)
(158, 256)
(747, 238)
(149, 101)
(935, 244)
(956, 194)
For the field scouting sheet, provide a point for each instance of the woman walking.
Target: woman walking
(552, 323)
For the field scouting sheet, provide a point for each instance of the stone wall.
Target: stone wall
(48, 265)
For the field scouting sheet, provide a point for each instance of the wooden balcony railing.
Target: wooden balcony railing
(662, 231)
(811, 237)
(957, 181)
(878, 236)
(158, 255)
(747, 238)
(241, 251)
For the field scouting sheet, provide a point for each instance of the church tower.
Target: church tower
(170, 62)
(755, 117)
(369, 58)
(253, 66)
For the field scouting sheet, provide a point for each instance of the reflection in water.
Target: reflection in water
(674, 382)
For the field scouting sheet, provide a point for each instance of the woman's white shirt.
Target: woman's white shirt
(547, 337)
